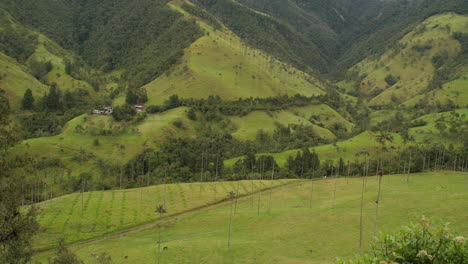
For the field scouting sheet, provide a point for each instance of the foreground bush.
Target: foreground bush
(420, 243)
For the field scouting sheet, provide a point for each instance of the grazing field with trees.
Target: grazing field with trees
(298, 225)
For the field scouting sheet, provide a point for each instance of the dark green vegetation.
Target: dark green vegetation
(434, 243)
(143, 39)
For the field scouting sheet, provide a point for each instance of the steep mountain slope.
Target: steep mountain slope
(32, 61)
(415, 64)
(219, 63)
(140, 38)
(15, 79)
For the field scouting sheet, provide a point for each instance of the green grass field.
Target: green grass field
(292, 231)
(82, 216)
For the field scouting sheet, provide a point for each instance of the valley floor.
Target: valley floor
(302, 223)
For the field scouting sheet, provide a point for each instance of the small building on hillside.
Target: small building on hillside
(104, 111)
(139, 107)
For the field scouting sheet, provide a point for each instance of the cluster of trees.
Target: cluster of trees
(203, 14)
(136, 96)
(16, 42)
(215, 105)
(287, 137)
(51, 111)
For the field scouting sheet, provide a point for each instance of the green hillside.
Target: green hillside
(292, 228)
(248, 126)
(455, 91)
(76, 147)
(221, 64)
(408, 69)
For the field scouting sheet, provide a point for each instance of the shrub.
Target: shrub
(419, 244)
(152, 109)
(391, 80)
(124, 113)
(179, 124)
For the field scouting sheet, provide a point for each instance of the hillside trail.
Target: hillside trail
(183, 214)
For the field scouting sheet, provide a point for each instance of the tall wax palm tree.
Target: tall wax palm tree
(161, 210)
(382, 138)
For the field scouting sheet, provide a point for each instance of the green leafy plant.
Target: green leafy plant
(420, 243)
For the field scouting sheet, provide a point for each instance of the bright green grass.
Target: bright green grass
(80, 217)
(414, 69)
(219, 63)
(292, 232)
(16, 79)
(248, 126)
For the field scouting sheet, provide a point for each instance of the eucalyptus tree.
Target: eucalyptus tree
(232, 196)
(161, 210)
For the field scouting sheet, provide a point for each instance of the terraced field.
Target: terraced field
(83, 216)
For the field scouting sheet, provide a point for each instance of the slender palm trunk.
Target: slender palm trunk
(271, 187)
(311, 192)
(361, 215)
(334, 192)
(201, 175)
(164, 202)
(409, 169)
(347, 176)
(159, 244)
(216, 178)
(230, 226)
(237, 195)
(377, 205)
(260, 193)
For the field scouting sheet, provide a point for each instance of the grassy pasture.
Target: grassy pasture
(82, 216)
(248, 126)
(292, 232)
